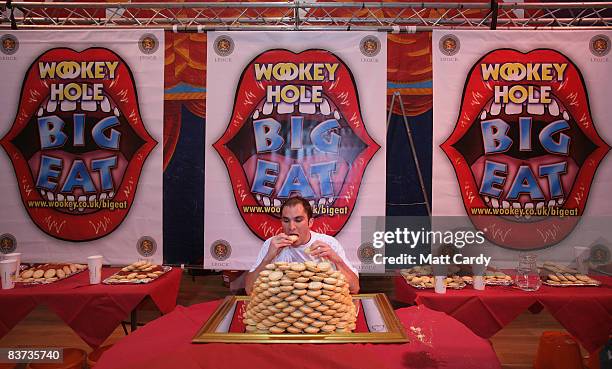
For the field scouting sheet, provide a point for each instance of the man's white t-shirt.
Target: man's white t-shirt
(297, 254)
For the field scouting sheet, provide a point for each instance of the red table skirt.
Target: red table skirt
(585, 312)
(92, 311)
(166, 343)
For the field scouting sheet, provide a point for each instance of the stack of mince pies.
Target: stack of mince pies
(299, 298)
(49, 273)
(561, 276)
(137, 272)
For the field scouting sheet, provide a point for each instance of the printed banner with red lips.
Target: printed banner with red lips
(522, 133)
(80, 126)
(292, 114)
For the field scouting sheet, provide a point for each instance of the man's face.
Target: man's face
(295, 221)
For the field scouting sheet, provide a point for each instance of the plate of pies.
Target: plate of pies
(492, 278)
(426, 282)
(557, 275)
(421, 277)
(138, 273)
(49, 273)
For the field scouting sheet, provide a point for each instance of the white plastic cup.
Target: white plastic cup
(479, 283)
(7, 273)
(439, 286)
(94, 263)
(582, 255)
(15, 256)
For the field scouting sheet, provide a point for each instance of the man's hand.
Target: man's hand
(277, 243)
(320, 249)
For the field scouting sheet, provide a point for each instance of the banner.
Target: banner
(292, 113)
(81, 121)
(522, 133)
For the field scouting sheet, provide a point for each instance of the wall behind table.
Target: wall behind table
(409, 73)
(184, 181)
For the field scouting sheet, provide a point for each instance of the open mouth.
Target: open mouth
(314, 145)
(525, 150)
(78, 143)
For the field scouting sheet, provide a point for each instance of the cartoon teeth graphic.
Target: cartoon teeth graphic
(525, 141)
(296, 128)
(78, 143)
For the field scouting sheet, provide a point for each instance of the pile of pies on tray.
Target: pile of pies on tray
(48, 273)
(454, 282)
(138, 272)
(422, 277)
(562, 276)
(298, 298)
(496, 277)
(492, 278)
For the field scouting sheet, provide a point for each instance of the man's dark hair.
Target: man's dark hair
(293, 201)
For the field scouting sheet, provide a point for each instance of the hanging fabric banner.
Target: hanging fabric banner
(80, 125)
(521, 135)
(292, 113)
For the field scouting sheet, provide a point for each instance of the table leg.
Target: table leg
(133, 320)
(536, 308)
(125, 331)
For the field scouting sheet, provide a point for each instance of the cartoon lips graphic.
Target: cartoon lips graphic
(551, 179)
(302, 161)
(86, 147)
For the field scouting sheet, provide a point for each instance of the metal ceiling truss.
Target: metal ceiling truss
(396, 17)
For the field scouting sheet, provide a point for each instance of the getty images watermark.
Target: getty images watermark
(403, 242)
(412, 239)
(454, 243)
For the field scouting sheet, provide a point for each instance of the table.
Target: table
(585, 312)
(92, 311)
(166, 343)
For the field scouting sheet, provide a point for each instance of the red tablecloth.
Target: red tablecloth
(166, 343)
(586, 312)
(92, 311)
